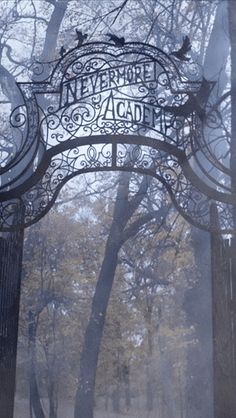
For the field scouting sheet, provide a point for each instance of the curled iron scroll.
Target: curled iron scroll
(106, 108)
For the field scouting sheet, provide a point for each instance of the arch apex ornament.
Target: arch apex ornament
(101, 107)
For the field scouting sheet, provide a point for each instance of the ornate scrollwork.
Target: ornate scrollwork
(106, 108)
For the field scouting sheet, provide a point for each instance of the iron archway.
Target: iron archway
(104, 107)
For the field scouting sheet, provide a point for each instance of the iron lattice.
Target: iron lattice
(101, 107)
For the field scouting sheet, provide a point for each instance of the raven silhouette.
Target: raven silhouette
(62, 51)
(195, 103)
(185, 48)
(117, 41)
(81, 37)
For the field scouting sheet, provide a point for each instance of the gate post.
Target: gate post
(11, 248)
(223, 317)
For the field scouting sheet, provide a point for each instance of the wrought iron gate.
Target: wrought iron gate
(11, 247)
(105, 107)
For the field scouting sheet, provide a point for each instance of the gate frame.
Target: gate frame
(11, 244)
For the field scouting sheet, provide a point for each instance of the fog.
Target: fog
(118, 165)
(155, 358)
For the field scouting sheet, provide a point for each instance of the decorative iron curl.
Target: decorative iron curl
(188, 199)
(78, 135)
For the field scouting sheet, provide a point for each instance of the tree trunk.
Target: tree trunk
(198, 309)
(35, 402)
(116, 398)
(149, 372)
(94, 331)
(52, 401)
(223, 330)
(232, 35)
(123, 211)
(126, 380)
(199, 299)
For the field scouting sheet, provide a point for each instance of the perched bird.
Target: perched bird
(185, 48)
(204, 91)
(195, 103)
(80, 37)
(185, 110)
(62, 51)
(117, 41)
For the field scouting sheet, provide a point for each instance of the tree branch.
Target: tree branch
(119, 8)
(137, 199)
(132, 229)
